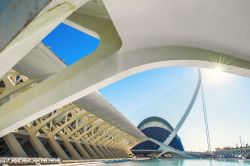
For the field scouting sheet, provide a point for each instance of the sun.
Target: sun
(214, 75)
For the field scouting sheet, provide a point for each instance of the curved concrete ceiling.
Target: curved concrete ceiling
(217, 25)
(41, 63)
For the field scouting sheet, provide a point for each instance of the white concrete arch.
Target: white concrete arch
(109, 70)
(136, 61)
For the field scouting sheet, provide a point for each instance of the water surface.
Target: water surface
(189, 162)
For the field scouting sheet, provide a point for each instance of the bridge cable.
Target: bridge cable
(205, 116)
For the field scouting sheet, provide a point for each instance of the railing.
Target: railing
(27, 160)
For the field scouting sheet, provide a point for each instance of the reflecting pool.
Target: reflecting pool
(197, 162)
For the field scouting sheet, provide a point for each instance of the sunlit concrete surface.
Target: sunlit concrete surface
(135, 35)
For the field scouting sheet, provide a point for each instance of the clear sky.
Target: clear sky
(166, 92)
(69, 44)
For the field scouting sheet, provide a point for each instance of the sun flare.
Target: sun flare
(214, 75)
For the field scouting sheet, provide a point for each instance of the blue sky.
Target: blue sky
(66, 41)
(166, 92)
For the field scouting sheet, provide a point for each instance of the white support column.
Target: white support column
(124, 153)
(115, 153)
(57, 148)
(118, 153)
(84, 153)
(105, 133)
(110, 151)
(101, 129)
(55, 145)
(38, 146)
(14, 146)
(70, 147)
(36, 143)
(98, 152)
(91, 151)
(106, 155)
(110, 155)
(72, 150)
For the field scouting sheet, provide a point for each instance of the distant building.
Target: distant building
(158, 129)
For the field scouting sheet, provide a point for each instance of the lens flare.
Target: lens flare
(215, 75)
